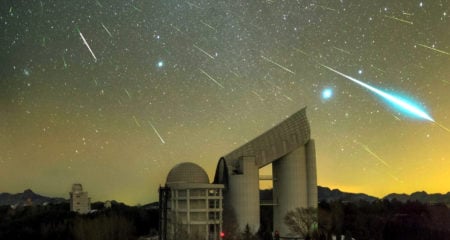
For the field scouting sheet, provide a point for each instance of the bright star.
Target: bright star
(160, 64)
(327, 93)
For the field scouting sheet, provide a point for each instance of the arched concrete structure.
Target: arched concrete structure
(291, 152)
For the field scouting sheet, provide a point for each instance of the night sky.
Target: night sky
(113, 94)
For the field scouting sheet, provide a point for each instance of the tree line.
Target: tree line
(383, 219)
(55, 221)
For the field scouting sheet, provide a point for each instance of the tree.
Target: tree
(302, 221)
(247, 234)
(230, 226)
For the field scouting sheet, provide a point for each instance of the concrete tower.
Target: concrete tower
(291, 152)
(79, 200)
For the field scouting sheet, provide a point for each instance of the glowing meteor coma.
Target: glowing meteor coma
(395, 101)
(87, 45)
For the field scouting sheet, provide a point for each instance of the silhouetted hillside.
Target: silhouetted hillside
(26, 198)
(422, 197)
(326, 194)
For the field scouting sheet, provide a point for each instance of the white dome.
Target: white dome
(187, 172)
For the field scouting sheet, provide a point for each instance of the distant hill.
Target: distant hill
(324, 194)
(26, 198)
(327, 194)
(422, 197)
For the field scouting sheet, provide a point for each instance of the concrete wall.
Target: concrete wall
(311, 174)
(243, 193)
(289, 187)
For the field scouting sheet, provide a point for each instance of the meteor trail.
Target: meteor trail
(288, 98)
(325, 7)
(301, 51)
(367, 149)
(342, 50)
(209, 26)
(259, 96)
(136, 121)
(128, 93)
(87, 45)
(280, 66)
(106, 29)
(235, 74)
(394, 101)
(203, 51)
(434, 49)
(399, 19)
(157, 133)
(176, 28)
(211, 78)
(442, 126)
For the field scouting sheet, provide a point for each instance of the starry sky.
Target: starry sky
(113, 94)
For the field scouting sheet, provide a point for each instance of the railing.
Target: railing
(267, 203)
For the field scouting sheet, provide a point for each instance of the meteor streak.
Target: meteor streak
(395, 101)
(136, 121)
(211, 78)
(128, 93)
(342, 50)
(209, 26)
(399, 19)
(434, 49)
(176, 28)
(368, 150)
(279, 65)
(259, 96)
(324, 7)
(203, 51)
(106, 29)
(301, 51)
(157, 133)
(87, 45)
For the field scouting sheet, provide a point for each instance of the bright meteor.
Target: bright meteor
(87, 45)
(394, 101)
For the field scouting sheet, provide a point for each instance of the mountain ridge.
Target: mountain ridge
(28, 197)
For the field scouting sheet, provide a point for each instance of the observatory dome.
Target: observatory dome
(187, 172)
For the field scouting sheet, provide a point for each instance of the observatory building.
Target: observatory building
(290, 151)
(79, 200)
(190, 204)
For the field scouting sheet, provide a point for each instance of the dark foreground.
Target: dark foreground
(381, 219)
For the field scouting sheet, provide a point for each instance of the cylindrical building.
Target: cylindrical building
(194, 206)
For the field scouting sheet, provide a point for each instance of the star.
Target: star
(327, 93)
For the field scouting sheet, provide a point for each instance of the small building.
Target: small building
(190, 205)
(79, 200)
